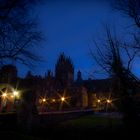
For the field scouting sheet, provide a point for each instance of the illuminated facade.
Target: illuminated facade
(59, 91)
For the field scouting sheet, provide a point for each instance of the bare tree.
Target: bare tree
(16, 7)
(116, 59)
(19, 34)
(19, 37)
(131, 8)
(108, 54)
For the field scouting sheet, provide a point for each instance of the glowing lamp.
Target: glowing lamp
(53, 100)
(62, 99)
(12, 96)
(98, 100)
(16, 93)
(44, 100)
(4, 95)
(108, 101)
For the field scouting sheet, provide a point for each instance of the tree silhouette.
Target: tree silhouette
(131, 8)
(110, 56)
(19, 34)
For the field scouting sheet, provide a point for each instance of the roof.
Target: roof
(100, 85)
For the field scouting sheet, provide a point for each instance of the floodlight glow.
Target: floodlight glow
(12, 96)
(44, 100)
(98, 100)
(4, 95)
(16, 93)
(108, 101)
(53, 100)
(62, 99)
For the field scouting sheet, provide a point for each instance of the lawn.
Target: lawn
(91, 121)
(86, 127)
(82, 128)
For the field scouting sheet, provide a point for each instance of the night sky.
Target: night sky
(69, 27)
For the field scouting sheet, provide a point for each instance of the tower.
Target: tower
(64, 71)
(79, 76)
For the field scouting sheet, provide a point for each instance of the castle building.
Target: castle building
(49, 89)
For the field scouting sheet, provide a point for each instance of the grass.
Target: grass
(90, 121)
(82, 128)
(87, 127)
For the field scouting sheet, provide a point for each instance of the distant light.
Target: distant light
(53, 100)
(12, 96)
(16, 93)
(44, 100)
(4, 95)
(108, 101)
(62, 99)
(98, 100)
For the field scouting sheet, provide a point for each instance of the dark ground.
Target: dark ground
(54, 130)
(51, 133)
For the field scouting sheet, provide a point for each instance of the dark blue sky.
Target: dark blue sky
(69, 27)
